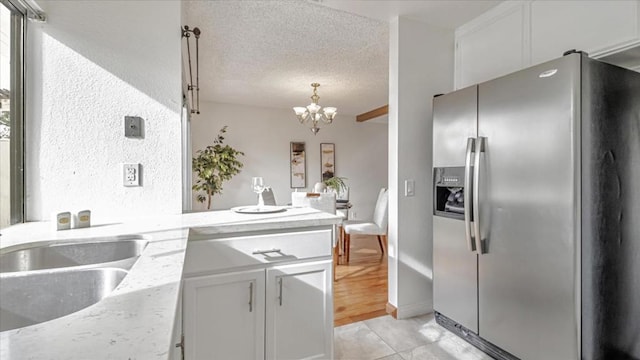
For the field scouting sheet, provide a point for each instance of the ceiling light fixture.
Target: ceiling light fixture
(311, 114)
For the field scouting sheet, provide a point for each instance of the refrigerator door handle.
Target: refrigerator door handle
(467, 195)
(476, 194)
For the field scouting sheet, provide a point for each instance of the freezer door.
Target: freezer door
(455, 119)
(528, 210)
(455, 291)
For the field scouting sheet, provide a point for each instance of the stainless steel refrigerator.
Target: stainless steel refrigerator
(536, 216)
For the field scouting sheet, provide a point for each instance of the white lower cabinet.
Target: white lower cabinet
(224, 316)
(299, 302)
(273, 300)
(175, 350)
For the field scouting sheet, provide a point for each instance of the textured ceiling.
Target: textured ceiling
(267, 53)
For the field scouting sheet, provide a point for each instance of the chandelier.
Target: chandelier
(311, 114)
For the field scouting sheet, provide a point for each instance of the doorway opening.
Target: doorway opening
(360, 289)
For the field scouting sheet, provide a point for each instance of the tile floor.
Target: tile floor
(418, 338)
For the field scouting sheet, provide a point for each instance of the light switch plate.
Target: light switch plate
(131, 174)
(409, 187)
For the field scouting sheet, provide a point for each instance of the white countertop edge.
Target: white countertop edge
(136, 320)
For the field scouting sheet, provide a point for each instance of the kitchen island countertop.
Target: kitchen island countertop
(136, 320)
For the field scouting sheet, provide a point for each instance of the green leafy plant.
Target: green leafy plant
(214, 165)
(336, 183)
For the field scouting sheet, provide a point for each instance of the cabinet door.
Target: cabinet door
(591, 26)
(493, 48)
(175, 351)
(224, 316)
(299, 312)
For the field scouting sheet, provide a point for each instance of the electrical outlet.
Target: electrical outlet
(131, 174)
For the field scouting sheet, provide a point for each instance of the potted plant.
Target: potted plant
(336, 183)
(214, 165)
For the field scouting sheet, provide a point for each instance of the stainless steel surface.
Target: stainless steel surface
(454, 121)
(280, 291)
(479, 149)
(454, 266)
(558, 212)
(120, 253)
(28, 298)
(467, 195)
(455, 281)
(528, 211)
(611, 212)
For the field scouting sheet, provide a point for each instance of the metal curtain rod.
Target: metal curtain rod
(195, 100)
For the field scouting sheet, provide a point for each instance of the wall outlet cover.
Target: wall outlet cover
(131, 174)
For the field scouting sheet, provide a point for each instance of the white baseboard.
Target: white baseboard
(411, 310)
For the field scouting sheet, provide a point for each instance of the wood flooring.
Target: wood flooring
(360, 289)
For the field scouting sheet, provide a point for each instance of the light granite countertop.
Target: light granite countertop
(136, 320)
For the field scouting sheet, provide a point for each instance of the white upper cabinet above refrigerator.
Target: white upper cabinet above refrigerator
(491, 46)
(517, 34)
(591, 26)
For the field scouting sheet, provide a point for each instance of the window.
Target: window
(11, 115)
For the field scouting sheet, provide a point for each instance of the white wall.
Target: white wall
(264, 134)
(420, 66)
(89, 65)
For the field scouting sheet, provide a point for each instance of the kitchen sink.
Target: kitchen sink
(109, 252)
(28, 298)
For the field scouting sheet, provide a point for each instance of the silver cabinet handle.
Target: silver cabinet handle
(480, 147)
(467, 195)
(262, 252)
(280, 295)
(251, 296)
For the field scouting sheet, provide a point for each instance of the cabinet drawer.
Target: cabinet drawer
(242, 250)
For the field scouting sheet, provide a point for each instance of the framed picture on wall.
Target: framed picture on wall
(327, 160)
(298, 165)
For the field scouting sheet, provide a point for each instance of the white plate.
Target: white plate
(254, 209)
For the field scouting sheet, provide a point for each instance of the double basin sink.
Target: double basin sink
(45, 281)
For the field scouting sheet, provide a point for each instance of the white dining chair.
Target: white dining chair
(325, 202)
(267, 197)
(376, 226)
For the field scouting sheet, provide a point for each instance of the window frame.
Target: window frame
(17, 112)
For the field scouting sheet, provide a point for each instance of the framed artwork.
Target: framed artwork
(327, 160)
(298, 165)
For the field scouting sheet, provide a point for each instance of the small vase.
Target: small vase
(319, 187)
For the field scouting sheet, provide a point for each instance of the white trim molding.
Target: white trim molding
(411, 310)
